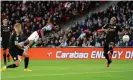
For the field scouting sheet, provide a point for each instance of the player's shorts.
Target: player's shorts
(5, 44)
(15, 52)
(34, 36)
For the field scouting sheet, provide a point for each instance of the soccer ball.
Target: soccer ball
(125, 38)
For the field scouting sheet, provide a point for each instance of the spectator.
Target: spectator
(34, 27)
(56, 43)
(76, 34)
(63, 43)
(97, 44)
(85, 43)
(27, 32)
(78, 43)
(73, 40)
(82, 35)
(51, 44)
(70, 43)
(131, 43)
(34, 15)
(102, 43)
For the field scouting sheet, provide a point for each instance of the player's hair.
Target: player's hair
(19, 27)
(114, 18)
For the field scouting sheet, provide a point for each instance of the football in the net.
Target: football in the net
(125, 38)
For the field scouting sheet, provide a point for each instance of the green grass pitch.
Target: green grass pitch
(72, 70)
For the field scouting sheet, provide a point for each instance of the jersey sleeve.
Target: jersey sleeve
(105, 26)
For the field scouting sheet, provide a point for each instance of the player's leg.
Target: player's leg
(4, 52)
(31, 42)
(106, 49)
(8, 57)
(5, 46)
(24, 43)
(16, 61)
(14, 54)
(8, 54)
(27, 46)
(26, 61)
(4, 56)
(14, 65)
(110, 53)
(32, 39)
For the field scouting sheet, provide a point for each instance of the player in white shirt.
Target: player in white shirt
(33, 38)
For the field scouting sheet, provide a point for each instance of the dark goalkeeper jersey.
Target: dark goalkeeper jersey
(111, 36)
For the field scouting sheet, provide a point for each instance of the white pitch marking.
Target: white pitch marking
(64, 74)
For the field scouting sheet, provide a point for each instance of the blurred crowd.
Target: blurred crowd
(34, 15)
(85, 34)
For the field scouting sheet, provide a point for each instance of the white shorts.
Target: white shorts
(34, 36)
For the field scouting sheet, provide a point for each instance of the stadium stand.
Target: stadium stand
(34, 15)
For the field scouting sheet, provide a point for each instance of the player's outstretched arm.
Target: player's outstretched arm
(111, 30)
(106, 29)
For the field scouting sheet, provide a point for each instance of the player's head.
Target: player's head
(113, 20)
(5, 21)
(18, 28)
